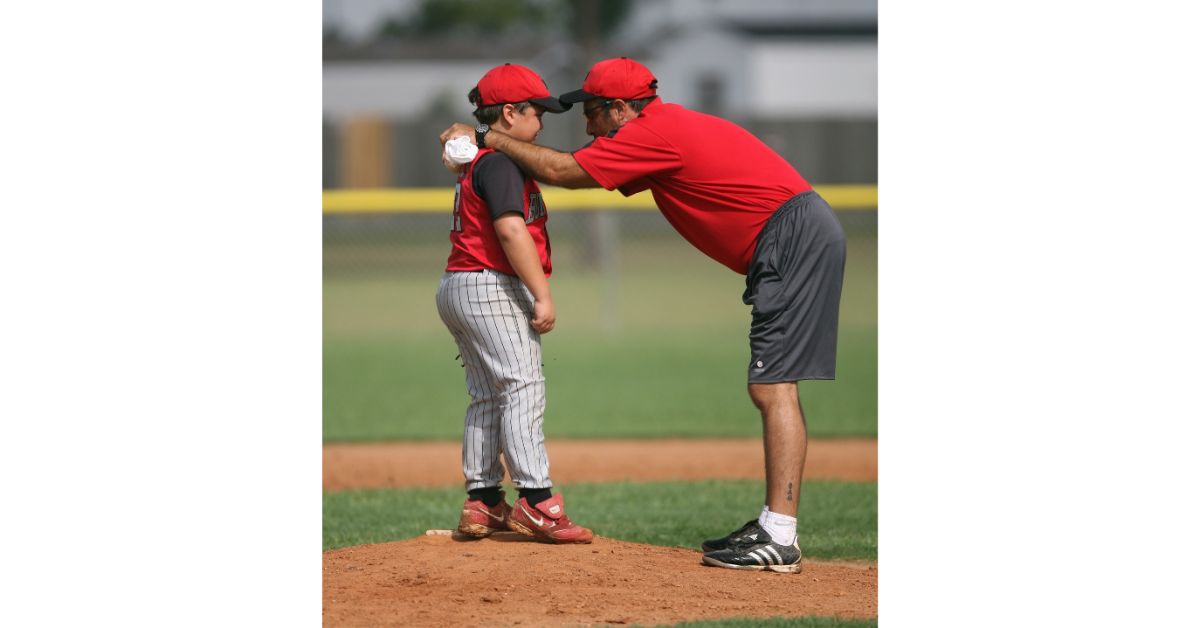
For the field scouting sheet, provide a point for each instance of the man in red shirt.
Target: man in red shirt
(740, 203)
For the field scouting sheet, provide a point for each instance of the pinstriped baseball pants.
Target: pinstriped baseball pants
(488, 314)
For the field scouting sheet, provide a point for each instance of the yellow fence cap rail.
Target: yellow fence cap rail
(433, 200)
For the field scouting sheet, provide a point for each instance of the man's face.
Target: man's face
(602, 117)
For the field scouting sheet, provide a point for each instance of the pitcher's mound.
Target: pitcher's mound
(508, 580)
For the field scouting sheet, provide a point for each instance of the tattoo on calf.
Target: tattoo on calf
(789, 491)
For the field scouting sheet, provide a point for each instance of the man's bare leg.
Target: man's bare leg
(785, 443)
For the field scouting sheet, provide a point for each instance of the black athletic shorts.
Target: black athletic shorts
(795, 285)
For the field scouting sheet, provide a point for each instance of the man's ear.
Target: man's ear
(624, 111)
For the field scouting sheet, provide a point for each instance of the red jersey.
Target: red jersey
(481, 198)
(713, 181)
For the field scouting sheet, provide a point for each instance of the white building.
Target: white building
(742, 58)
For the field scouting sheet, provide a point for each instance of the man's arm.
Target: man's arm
(544, 164)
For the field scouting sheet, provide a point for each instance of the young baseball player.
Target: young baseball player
(495, 300)
(743, 205)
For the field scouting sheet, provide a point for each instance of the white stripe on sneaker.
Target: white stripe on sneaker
(778, 558)
(757, 558)
(762, 557)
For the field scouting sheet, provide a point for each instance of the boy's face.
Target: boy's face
(526, 124)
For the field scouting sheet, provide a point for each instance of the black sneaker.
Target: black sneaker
(749, 534)
(762, 556)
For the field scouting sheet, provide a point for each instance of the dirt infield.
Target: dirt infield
(436, 581)
(507, 580)
(381, 465)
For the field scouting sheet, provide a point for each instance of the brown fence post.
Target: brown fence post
(365, 144)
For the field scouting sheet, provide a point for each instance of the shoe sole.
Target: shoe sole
(776, 568)
(520, 529)
(476, 530)
(705, 548)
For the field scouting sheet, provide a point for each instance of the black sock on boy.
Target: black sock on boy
(489, 495)
(534, 496)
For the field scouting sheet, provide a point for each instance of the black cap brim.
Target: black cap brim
(578, 95)
(551, 104)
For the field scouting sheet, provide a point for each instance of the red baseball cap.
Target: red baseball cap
(621, 78)
(511, 84)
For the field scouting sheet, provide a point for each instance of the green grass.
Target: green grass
(780, 622)
(837, 520)
(658, 285)
(625, 387)
(666, 357)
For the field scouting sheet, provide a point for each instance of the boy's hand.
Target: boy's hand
(543, 316)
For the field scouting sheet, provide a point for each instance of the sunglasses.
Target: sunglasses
(589, 113)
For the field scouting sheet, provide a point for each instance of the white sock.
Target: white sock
(782, 528)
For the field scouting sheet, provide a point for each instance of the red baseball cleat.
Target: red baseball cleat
(547, 522)
(479, 521)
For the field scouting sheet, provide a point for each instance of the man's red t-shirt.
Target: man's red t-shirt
(713, 181)
(488, 188)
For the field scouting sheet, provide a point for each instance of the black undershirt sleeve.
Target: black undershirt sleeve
(499, 182)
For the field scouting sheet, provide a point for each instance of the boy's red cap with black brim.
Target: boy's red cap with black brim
(621, 78)
(511, 84)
